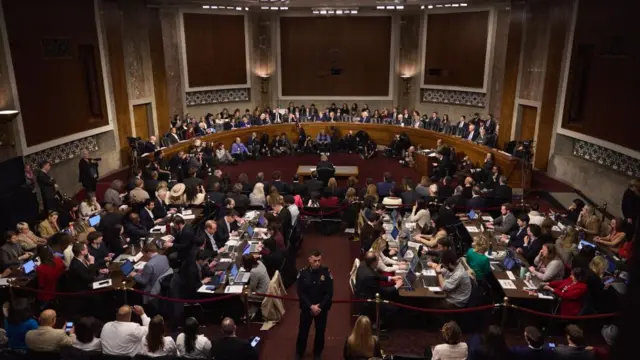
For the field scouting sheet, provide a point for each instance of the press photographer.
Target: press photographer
(88, 171)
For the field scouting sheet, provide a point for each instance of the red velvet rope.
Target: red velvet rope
(445, 311)
(76, 293)
(566, 317)
(324, 213)
(188, 301)
(284, 298)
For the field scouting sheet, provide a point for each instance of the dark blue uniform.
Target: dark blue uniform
(315, 287)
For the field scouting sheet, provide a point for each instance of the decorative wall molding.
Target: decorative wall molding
(217, 96)
(454, 97)
(625, 164)
(64, 152)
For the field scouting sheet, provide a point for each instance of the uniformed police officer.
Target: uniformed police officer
(315, 291)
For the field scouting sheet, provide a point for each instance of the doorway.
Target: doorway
(142, 120)
(528, 116)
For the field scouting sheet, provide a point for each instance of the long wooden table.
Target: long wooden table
(341, 171)
(381, 134)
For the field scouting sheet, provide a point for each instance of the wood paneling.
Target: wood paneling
(602, 96)
(528, 117)
(159, 71)
(456, 49)
(534, 50)
(314, 48)
(510, 82)
(54, 81)
(141, 120)
(409, 59)
(381, 134)
(215, 46)
(559, 19)
(112, 19)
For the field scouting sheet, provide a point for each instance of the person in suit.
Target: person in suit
(215, 194)
(409, 196)
(157, 265)
(576, 348)
(297, 188)
(472, 134)
(384, 187)
(490, 124)
(476, 202)
(82, 269)
(283, 216)
(434, 121)
(47, 187)
(98, 250)
(226, 227)
(502, 191)
(11, 253)
(281, 186)
(87, 172)
(441, 170)
(445, 190)
(482, 138)
(194, 272)
(147, 217)
(462, 127)
(231, 347)
(506, 222)
(135, 229)
(209, 236)
(160, 209)
(516, 238)
(368, 283)
(138, 195)
(457, 201)
(253, 145)
(173, 136)
(535, 348)
(150, 145)
(184, 236)
(364, 117)
(151, 184)
(314, 185)
(45, 338)
(532, 243)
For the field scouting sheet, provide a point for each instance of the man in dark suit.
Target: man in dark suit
(173, 137)
(502, 191)
(535, 348)
(281, 186)
(209, 236)
(226, 226)
(135, 229)
(185, 238)
(231, 347)
(324, 163)
(87, 172)
(462, 127)
(476, 202)
(445, 190)
(314, 185)
(490, 124)
(472, 134)
(147, 218)
(160, 208)
(364, 118)
(385, 186)
(457, 202)
(434, 121)
(82, 270)
(532, 243)
(47, 187)
(150, 185)
(216, 195)
(368, 285)
(150, 145)
(516, 238)
(409, 196)
(193, 273)
(283, 216)
(297, 188)
(192, 179)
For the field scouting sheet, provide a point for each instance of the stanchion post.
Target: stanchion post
(245, 299)
(378, 301)
(12, 296)
(505, 312)
(124, 290)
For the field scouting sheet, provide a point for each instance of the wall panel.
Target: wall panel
(215, 49)
(456, 47)
(534, 50)
(159, 71)
(57, 65)
(333, 56)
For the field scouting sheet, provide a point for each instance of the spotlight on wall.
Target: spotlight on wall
(264, 83)
(422, 7)
(406, 84)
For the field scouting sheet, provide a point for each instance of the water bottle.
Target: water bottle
(490, 249)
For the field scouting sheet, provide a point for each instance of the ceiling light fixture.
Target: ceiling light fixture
(274, 8)
(264, 8)
(316, 12)
(214, 7)
(390, 7)
(206, 6)
(380, 7)
(447, 5)
(246, 8)
(401, 7)
(463, 4)
(354, 12)
(422, 7)
(323, 12)
(439, 5)
(430, 6)
(338, 12)
(284, 8)
(455, 5)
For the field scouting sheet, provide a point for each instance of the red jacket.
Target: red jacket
(571, 295)
(48, 276)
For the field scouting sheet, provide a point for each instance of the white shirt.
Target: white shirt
(535, 218)
(169, 348)
(94, 345)
(450, 352)
(123, 338)
(150, 213)
(202, 348)
(212, 240)
(293, 209)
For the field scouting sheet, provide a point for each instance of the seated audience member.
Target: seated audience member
(548, 265)
(576, 346)
(532, 244)
(489, 346)
(259, 279)
(368, 284)
(155, 343)
(257, 198)
(535, 348)
(123, 337)
(477, 202)
(467, 191)
(453, 279)
(112, 194)
(328, 200)
(138, 195)
(49, 226)
(477, 260)
(567, 245)
(588, 222)
(194, 195)
(432, 241)
(239, 151)
(82, 270)
(176, 196)
(11, 253)
(516, 238)
(98, 250)
(453, 348)
(323, 142)
(190, 343)
(420, 215)
(147, 217)
(385, 186)
(361, 343)
(384, 263)
(17, 322)
(502, 191)
(89, 206)
(223, 155)
(83, 335)
(616, 235)
(280, 185)
(458, 201)
(573, 212)
(48, 273)
(226, 227)
(571, 292)
(27, 239)
(231, 347)
(45, 338)
(274, 198)
(134, 229)
(506, 222)
(534, 215)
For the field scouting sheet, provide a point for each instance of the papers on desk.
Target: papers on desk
(225, 260)
(187, 217)
(507, 284)
(350, 231)
(4, 281)
(234, 289)
(472, 229)
(187, 212)
(414, 245)
(433, 155)
(429, 272)
(312, 169)
(123, 257)
(250, 215)
(543, 296)
(101, 284)
(434, 288)
(140, 265)
(231, 243)
(137, 257)
(167, 238)
(410, 225)
(510, 275)
(159, 229)
(207, 289)
(496, 255)
(487, 218)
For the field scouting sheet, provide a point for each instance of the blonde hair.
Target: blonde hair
(468, 180)
(480, 244)
(162, 185)
(258, 189)
(332, 184)
(21, 226)
(372, 191)
(570, 238)
(598, 264)
(379, 244)
(425, 181)
(350, 194)
(361, 342)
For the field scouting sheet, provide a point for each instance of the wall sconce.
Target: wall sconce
(406, 84)
(264, 83)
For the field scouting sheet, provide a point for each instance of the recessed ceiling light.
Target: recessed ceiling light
(206, 6)
(265, 8)
(422, 7)
(447, 5)
(316, 12)
(390, 7)
(246, 8)
(339, 12)
(455, 5)
(284, 8)
(274, 8)
(330, 12)
(439, 5)
(463, 4)
(430, 6)
(230, 7)
(214, 7)
(354, 11)
(345, 11)
(401, 7)
(380, 7)
(238, 8)
(323, 11)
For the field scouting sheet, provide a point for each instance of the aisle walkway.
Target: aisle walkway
(282, 338)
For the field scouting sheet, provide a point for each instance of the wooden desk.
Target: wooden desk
(381, 134)
(419, 291)
(341, 171)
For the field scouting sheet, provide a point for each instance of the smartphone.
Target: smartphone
(255, 341)
(609, 280)
(552, 346)
(68, 326)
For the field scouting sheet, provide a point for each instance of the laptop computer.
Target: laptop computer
(126, 268)
(242, 278)
(409, 279)
(414, 262)
(29, 268)
(584, 243)
(403, 250)
(94, 220)
(472, 215)
(395, 232)
(234, 271)
(508, 263)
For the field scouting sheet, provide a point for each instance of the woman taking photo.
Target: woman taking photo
(548, 265)
(361, 344)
